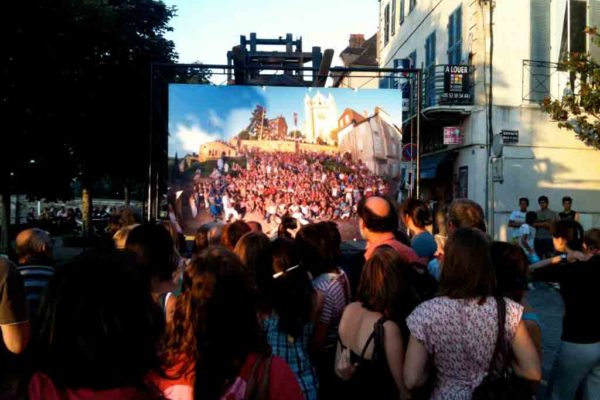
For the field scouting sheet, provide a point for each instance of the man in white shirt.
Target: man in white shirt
(517, 218)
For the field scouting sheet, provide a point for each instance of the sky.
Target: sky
(204, 30)
(203, 113)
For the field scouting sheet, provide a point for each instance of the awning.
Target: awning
(430, 163)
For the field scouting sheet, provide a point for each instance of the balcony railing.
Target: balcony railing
(542, 79)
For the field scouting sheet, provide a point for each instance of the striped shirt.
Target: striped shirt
(336, 295)
(35, 279)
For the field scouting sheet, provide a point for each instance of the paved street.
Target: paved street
(548, 303)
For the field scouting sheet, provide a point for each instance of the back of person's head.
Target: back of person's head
(418, 211)
(292, 296)
(34, 245)
(215, 321)
(232, 233)
(120, 236)
(510, 268)
(382, 282)
(467, 271)
(569, 230)
(318, 245)
(177, 237)
(378, 214)
(591, 241)
(215, 233)
(256, 253)
(99, 326)
(255, 226)
(287, 222)
(154, 251)
(129, 216)
(466, 213)
(201, 239)
(530, 217)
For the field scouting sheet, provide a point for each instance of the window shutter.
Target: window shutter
(450, 38)
(458, 36)
(540, 47)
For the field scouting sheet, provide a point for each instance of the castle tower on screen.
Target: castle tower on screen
(321, 118)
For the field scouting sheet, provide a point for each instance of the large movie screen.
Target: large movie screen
(280, 156)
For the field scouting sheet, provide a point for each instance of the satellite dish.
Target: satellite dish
(497, 145)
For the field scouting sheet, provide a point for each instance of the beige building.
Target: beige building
(359, 53)
(374, 140)
(214, 150)
(321, 118)
(530, 38)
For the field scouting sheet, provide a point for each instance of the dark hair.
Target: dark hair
(256, 253)
(99, 326)
(525, 199)
(530, 217)
(543, 198)
(233, 232)
(293, 293)
(592, 239)
(571, 231)
(567, 198)
(467, 271)
(382, 282)
(319, 246)
(201, 239)
(376, 223)
(153, 247)
(215, 324)
(510, 267)
(465, 213)
(418, 211)
(287, 222)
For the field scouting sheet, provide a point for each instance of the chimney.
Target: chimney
(356, 40)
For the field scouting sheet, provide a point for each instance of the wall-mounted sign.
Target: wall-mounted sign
(452, 135)
(457, 85)
(509, 136)
(497, 170)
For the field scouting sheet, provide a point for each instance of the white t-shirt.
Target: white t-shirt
(530, 232)
(517, 216)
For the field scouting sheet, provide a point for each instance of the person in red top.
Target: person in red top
(377, 222)
(99, 330)
(215, 349)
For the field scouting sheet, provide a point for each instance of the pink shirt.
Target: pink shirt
(389, 240)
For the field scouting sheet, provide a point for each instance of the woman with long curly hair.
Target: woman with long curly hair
(215, 348)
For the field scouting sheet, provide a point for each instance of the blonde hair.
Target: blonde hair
(120, 236)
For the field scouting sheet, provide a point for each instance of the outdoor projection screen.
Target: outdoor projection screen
(214, 129)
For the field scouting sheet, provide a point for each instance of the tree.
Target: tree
(76, 82)
(580, 112)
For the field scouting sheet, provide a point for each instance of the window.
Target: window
(455, 37)
(393, 23)
(413, 59)
(386, 22)
(430, 70)
(401, 12)
(412, 5)
(576, 26)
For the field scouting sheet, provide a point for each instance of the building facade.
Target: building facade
(321, 119)
(510, 149)
(359, 53)
(214, 150)
(278, 129)
(374, 140)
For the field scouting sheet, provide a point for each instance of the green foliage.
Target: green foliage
(580, 111)
(75, 85)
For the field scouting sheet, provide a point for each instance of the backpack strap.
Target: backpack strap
(251, 385)
(257, 387)
(263, 387)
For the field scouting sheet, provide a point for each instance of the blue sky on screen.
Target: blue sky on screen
(202, 113)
